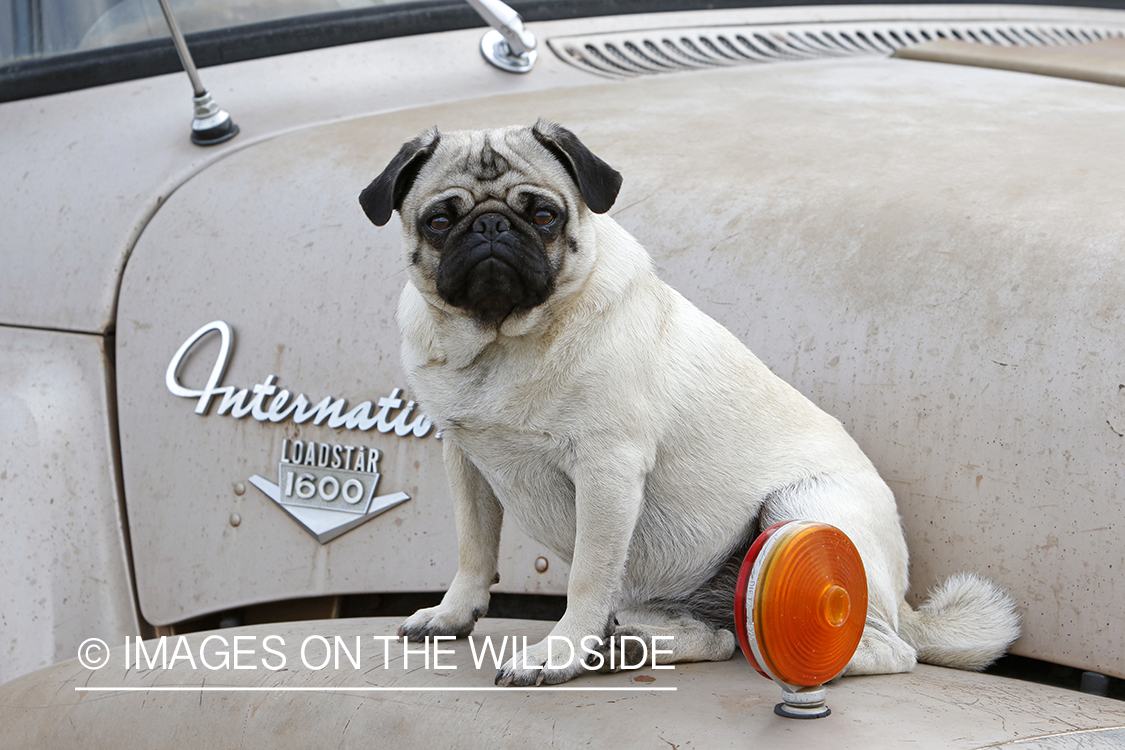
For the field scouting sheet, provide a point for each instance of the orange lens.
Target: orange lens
(809, 603)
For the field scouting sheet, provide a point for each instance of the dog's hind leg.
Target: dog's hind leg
(698, 627)
(862, 506)
(881, 651)
(655, 636)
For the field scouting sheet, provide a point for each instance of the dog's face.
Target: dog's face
(494, 221)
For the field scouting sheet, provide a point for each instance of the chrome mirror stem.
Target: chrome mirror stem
(508, 46)
(211, 124)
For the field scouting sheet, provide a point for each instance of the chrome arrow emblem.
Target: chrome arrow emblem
(328, 489)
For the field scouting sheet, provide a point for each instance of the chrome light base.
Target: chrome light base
(803, 703)
(497, 51)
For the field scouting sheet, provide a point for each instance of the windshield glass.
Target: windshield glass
(31, 29)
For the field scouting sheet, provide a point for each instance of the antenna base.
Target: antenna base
(211, 124)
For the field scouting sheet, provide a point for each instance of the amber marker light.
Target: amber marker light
(800, 607)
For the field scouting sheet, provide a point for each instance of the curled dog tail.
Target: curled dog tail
(967, 623)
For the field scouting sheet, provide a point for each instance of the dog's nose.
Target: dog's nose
(491, 226)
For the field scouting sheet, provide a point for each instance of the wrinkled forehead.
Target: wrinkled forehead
(489, 163)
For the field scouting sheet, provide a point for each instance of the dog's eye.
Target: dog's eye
(440, 223)
(543, 217)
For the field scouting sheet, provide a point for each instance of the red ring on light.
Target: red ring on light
(801, 603)
(741, 608)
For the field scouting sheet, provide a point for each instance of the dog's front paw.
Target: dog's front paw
(440, 620)
(545, 663)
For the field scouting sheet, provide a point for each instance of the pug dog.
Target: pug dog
(617, 424)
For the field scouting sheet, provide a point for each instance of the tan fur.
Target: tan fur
(633, 435)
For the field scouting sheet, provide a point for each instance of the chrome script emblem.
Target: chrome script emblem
(328, 489)
(387, 414)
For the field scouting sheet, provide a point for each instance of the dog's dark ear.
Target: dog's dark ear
(385, 193)
(597, 181)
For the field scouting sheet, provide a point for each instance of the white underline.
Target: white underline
(236, 689)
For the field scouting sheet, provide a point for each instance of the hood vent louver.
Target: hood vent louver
(644, 52)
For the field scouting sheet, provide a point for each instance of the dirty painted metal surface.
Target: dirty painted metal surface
(1090, 739)
(80, 192)
(1099, 62)
(66, 576)
(96, 194)
(713, 705)
(929, 252)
